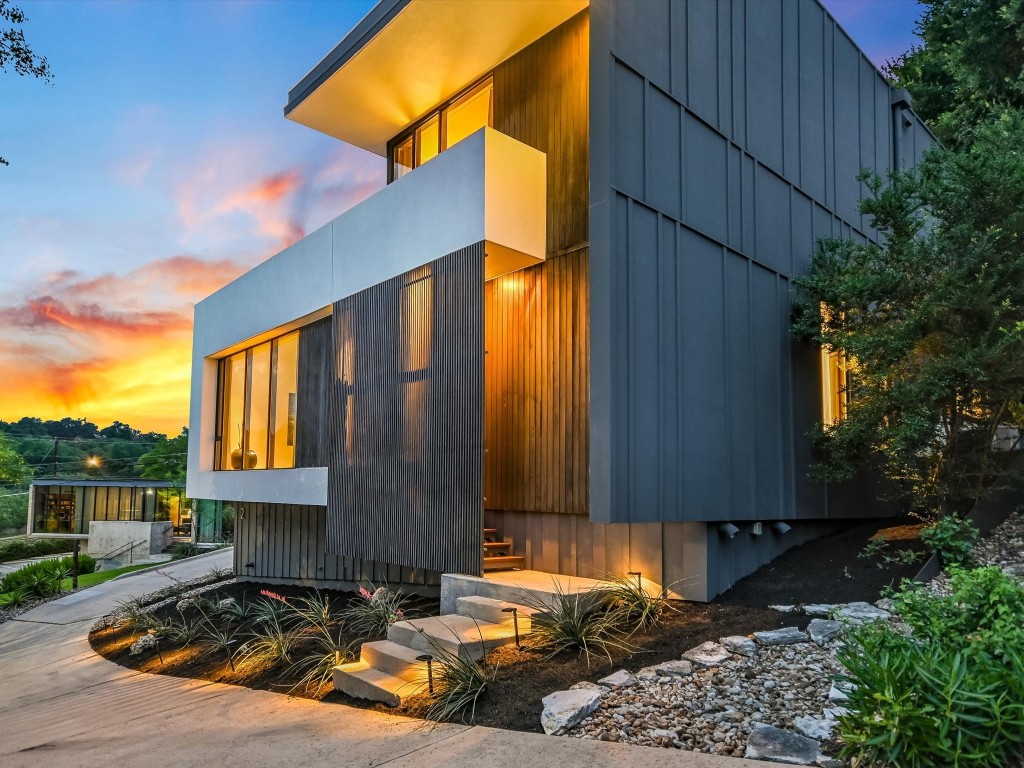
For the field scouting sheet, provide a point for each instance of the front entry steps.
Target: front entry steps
(390, 670)
(498, 554)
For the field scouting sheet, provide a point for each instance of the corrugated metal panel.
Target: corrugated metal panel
(405, 477)
(311, 425)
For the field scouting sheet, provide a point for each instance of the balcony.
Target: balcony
(487, 188)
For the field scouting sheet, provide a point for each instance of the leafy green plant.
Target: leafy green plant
(13, 598)
(372, 612)
(270, 609)
(458, 685)
(181, 551)
(271, 643)
(633, 606)
(59, 571)
(953, 537)
(184, 631)
(24, 548)
(902, 557)
(217, 639)
(951, 692)
(316, 658)
(132, 614)
(236, 612)
(874, 548)
(580, 622)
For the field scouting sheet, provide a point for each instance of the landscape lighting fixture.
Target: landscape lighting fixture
(639, 578)
(781, 528)
(515, 621)
(430, 671)
(728, 529)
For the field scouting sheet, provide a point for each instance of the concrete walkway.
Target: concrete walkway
(62, 706)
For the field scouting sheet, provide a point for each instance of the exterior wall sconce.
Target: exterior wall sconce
(430, 671)
(515, 621)
(728, 529)
(757, 529)
(781, 528)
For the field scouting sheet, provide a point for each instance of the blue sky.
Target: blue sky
(158, 166)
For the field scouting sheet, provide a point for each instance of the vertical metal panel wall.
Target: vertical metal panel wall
(726, 137)
(405, 478)
(315, 354)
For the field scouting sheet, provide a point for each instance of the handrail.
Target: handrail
(129, 546)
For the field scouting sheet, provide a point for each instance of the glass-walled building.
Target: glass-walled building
(68, 506)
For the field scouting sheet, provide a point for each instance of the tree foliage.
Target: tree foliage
(15, 52)
(932, 320)
(13, 469)
(167, 461)
(970, 67)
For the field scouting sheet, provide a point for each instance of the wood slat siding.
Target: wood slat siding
(537, 320)
(536, 377)
(405, 478)
(315, 349)
(287, 542)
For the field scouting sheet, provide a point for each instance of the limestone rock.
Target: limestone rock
(823, 631)
(861, 613)
(587, 685)
(183, 605)
(707, 654)
(783, 608)
(679, 668)
(767, 742)
(227, 602)
(648, 673)
(814, 728)
(818, 610)
(784, 636)
(740, 644)
(143, 644)
(618, 679)
(836, 693)
(564, 709)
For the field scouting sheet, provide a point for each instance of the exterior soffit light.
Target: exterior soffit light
(728, 529)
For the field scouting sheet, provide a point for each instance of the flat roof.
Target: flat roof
(407, 56)
(119, 482)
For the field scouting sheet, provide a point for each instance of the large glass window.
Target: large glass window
(442, 128)
(257, 406)
(834, 386)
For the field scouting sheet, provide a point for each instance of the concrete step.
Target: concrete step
(493, 611)
(459, 635)
(359, 680)
(394, 659)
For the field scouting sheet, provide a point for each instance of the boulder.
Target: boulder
(566, 709)
(784, 636)
(767, 742)
(814, 728)
(648, 673)
(143, 644)
(818, 610)
(618, 679)
(680, 668)
(587, 685)
(707, 654)
(740, 644)
(823, 631)
(862, 613)
(783, 608)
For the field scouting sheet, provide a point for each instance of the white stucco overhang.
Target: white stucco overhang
(407, 56)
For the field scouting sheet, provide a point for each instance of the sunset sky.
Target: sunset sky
(157, 167)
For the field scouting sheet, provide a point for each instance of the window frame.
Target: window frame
(440, 111)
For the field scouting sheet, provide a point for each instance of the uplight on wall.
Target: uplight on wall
(728, 529)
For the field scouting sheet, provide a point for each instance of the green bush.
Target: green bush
(43, 578)
(24, 548)
(951, 692)
(952, 537)
(181, 551)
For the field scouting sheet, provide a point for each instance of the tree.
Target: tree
(13, 469)
(167, 461)
(15, 51)
(120, 431)
(932, 320)
(970, 67)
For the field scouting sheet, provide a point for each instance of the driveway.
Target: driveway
(61, 706)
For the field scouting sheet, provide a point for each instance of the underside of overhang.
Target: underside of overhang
(407, 56)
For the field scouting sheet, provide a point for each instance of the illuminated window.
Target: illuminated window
(443, 128)
(257, 406)
(834, 392)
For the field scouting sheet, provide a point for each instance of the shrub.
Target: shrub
(24, 547)
(37, 579)
(182, 550)
(271, 643)
(183, 632)
(270, 609)
(372, 612)
(632, 606)
(458, 684)
(952, 537)
(574, 621)
(86, 564)
(14, 597)
(949, 693)
(323, 652)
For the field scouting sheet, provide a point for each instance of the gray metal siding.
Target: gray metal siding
(733, 143)
(315, 347)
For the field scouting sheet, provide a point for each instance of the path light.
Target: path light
(728, 529)
(430, 670)
(639, 579)
(157, 639)
(515, 621)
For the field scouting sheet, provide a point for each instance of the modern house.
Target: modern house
(559, 338)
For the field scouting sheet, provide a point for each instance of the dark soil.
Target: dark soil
(827, 570)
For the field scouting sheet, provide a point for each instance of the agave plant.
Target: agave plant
(14, 597)
(60, 570)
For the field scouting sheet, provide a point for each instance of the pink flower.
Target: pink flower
(365, 593)
(273, 595)
(400, 613)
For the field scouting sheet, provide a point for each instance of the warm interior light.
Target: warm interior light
(93, 461)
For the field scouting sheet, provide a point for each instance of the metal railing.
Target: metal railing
(129, 547)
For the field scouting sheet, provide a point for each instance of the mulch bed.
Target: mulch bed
(827, 570)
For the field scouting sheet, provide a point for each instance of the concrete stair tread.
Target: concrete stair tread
(452, 632)
(361, 680)
(397, 660)
(488, 609)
